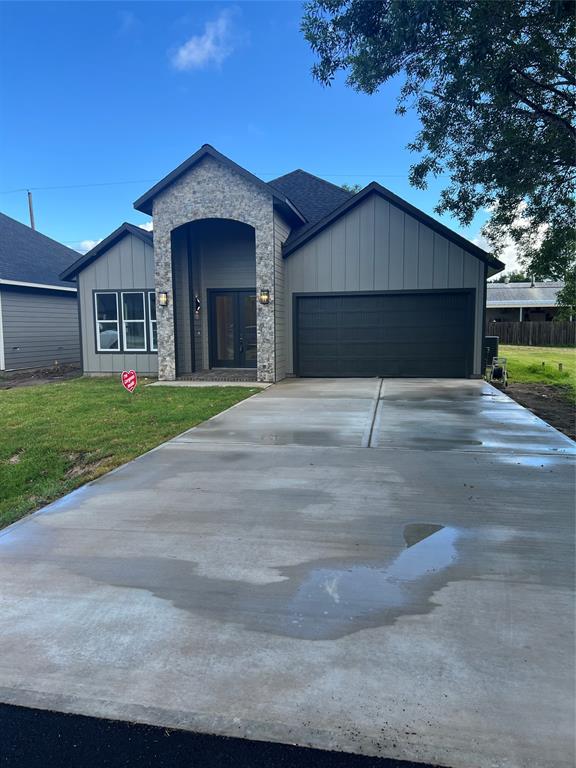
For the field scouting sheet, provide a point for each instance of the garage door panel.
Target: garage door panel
(405, 334)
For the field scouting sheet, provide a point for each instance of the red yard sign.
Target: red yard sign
(129, 380)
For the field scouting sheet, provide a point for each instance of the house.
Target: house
(295, 276)
(520, 302)
(38, 310)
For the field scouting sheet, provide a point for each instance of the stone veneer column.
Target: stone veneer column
(211, 190)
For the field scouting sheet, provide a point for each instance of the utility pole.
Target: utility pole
(31, 210)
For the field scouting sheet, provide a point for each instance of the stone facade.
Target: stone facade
(211, 190)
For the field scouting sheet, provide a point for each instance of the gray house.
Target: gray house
(38, 310)
(522, 302)
(295, 276)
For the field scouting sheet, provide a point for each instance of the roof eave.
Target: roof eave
(87, 258)
(145, 202)
(494, 265)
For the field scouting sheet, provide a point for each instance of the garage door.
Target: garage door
(394, 334)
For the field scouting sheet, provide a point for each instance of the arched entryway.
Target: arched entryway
(214, 289)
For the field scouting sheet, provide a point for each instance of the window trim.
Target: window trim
(142, 321)
(122, 350)
(97, 321)
(152, 323)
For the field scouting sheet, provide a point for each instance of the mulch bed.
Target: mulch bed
(31, 376)
(551, 403)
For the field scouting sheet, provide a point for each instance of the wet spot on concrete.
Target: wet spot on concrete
(322, 600)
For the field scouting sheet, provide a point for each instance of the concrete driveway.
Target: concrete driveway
(377, 567)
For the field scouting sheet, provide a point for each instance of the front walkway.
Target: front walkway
(373, 567)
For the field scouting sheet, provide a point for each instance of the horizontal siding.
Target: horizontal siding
(127, 265)
(378, 247)
(39, 329)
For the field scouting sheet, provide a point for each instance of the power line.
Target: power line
(150, 181)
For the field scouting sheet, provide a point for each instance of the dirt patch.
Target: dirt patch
(551, 403)
(83, 466)
(32, 376)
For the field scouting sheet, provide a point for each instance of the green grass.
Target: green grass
(56, 437)
(525, 366)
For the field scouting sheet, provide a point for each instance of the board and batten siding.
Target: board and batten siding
(376, 246)
(281, 232)
(39, 328)
(127, 265)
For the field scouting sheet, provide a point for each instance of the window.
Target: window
(107, 327)
(153, 333)
(134, 322)
(126, 321)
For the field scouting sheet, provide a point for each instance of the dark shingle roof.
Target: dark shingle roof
(28, 256)
(313, 196)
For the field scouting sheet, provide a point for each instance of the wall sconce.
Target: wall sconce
(163, 298)
(264, 296)
(196, 305)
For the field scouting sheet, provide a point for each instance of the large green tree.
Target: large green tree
(493, 84)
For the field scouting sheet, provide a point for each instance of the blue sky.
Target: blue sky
(112, 92)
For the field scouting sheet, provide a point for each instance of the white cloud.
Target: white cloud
(86, 245)
(149, 226)
(509, 254)
(213, 46)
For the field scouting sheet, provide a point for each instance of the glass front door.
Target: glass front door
(232, 330)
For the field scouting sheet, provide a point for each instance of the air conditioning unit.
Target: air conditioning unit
(490, 349)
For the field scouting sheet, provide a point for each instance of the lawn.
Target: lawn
(525, 366)
(59, 436)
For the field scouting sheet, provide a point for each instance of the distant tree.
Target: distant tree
(566, 299)
(512, 277)
(494, 87)
(354, 188)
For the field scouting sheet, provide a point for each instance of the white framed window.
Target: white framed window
(152, 331)
(107, 324)
(133, 321)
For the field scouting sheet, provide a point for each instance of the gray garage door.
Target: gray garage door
(396, 334)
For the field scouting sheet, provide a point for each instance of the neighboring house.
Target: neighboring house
(290, 277)
(520, 302)
(38, 310)
(118, 303)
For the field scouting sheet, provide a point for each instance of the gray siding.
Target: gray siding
(39, 328)
(127, 265)
(281, 232)
(378, 247)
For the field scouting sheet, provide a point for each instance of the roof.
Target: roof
(299, 237)
(523, 294)
(314, 197)
(145, 201)
(30, 259)
(124, 229)
(312, 203)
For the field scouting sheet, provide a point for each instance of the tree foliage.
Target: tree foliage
(494, 87)
(512, 277)
(566, 299)
(354, 188)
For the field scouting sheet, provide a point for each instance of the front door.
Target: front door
(232, 329)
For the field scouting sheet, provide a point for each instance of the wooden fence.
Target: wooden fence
(556, 333)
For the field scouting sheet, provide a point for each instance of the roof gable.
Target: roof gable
(28, 256)
(123, 230)
(145, 201)
(301, 236)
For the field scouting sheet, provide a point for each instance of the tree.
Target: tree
(512, 277)
(354, 188)
(494, 87)
(566, 298)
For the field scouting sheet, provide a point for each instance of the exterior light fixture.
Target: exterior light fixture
(197, 305)
(264, 296)
(163, 298)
